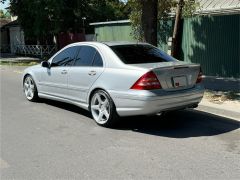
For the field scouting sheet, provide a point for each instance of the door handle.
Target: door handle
(92, 73)
(64, 72)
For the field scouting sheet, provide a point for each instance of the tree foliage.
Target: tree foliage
(5, 15)
(41, 18)
(166, 8)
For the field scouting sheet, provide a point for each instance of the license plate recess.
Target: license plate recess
(179, 81)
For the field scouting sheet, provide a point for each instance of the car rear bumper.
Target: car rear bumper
(136, 102)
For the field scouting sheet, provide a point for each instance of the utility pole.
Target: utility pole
(176, 35)
(83, 19)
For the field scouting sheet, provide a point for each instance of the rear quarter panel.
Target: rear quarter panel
(117, 80)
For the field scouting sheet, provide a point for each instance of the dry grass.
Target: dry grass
(221, 96)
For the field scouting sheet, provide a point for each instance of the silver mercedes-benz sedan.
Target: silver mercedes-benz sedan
(115, 79)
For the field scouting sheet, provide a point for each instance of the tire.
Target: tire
(103, 109)
(30, 89)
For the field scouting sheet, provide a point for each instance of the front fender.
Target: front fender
(35, 72)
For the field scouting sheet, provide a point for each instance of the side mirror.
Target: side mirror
(45, 64)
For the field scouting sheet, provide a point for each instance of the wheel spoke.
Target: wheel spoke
(28, 81)
(25, 85)
(100, 116)
(31, 93)
(28, 93)
(106, 114)
(95, 107)
(105, 103)
(32, 86)
(99, 98)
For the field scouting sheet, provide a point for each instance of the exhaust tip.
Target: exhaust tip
(159, 114)
(194, 106)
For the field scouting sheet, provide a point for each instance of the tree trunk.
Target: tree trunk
(176, 35)
(149, 20)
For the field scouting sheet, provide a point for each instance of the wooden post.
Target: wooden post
(175, 37)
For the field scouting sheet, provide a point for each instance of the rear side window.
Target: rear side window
(85, 56)
(139, 54)
(65, 58)
(97, 60)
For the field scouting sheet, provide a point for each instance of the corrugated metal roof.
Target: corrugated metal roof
(11, 24)
(219, 6)
(4, 21)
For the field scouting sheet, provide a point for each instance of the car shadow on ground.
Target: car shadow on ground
(66, 106)
(181, 124)
(176, 124)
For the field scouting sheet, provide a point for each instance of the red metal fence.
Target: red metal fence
(68, 38)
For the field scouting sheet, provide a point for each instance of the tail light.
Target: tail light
(199, 78)
(147, 82)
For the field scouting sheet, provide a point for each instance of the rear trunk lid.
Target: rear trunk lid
(175, 75)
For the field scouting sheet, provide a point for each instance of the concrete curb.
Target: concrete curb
(221, 84)
(234, 115)
(11, 58)
(27, 60)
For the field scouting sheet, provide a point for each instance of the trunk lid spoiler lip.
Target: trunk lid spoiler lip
(164, 65)
(177, 66)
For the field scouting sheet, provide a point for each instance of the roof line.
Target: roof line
(111, 22)
(220, 10)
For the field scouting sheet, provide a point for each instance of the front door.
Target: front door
(54, 80)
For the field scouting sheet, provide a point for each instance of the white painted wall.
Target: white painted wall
(13, 18)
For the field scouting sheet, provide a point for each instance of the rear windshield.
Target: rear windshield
(139, 54)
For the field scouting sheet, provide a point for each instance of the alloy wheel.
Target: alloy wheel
(100, 108)
(29, 88)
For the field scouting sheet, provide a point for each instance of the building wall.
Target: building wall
(212, 41)
(114, 32)
(4, 37)
(16, 37)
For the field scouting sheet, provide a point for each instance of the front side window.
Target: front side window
(140, 54)
(65, 58)
(85, 56)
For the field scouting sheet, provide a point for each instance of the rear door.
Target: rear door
(54, 79)
(86, 69)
